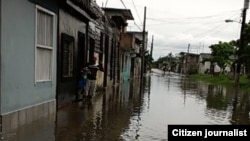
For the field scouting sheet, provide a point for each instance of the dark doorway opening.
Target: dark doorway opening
(82, 56)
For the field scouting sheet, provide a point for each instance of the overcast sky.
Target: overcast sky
(176, 23)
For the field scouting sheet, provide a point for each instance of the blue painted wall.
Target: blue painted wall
(18, 88)
(127, 66)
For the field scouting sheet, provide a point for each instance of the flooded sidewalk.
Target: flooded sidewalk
(90, 120)
(67, 125)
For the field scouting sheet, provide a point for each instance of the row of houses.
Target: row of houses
(199, 63)
(193, 63)
(44, 43)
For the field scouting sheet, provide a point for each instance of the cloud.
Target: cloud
(176, 24)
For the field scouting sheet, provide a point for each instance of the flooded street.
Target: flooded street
(128, 114)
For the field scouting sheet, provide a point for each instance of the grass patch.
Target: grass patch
(244, 82)
(221, 80)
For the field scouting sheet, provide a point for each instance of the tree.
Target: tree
(148, 59)
(221, 53)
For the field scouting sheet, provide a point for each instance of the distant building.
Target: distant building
(190, 62)
(204, 63)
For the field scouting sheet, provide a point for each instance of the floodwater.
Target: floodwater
(129, 113)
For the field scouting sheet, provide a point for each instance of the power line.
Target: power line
(215, 15)
(215, 29)
(190, 19)
(123, 4)
(136, 11)
(106, 3)
(137, 26)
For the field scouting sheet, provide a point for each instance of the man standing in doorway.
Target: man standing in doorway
(92, 68)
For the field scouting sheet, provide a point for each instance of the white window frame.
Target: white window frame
(52, 48)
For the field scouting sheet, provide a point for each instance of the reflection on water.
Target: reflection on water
(141, 111)
(174, 99)
(130, 113)
(225, 103)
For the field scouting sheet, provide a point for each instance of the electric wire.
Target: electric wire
(137, 26)
(123, 4)
(106, 3)
(134, 20)
(136, 11)
(215, 28)
(187, 19)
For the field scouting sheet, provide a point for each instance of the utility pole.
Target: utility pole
(143, 46)
(241, 43)
(186, 60)
(151, 50)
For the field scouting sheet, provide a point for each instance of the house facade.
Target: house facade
(120, 60)
(75, 45)
(28, 61)
(42, 55)
(136, 54)
(86, 30)
(206, 66)
(127, 47)
(190, 62)
(204, 63)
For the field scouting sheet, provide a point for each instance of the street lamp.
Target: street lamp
(229, 21)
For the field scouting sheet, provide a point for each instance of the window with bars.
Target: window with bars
(45, 29)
